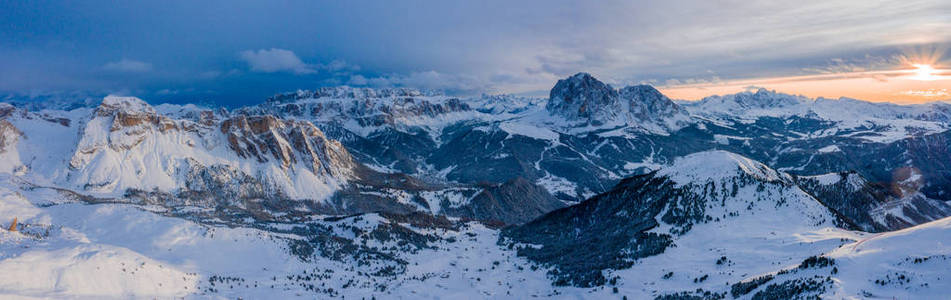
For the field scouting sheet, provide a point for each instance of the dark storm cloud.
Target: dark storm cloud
(235, 52)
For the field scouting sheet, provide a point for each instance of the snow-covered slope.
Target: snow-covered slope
(871, 206)
(905, 264)
(65, 249)
(735, 228)
(717, 166)
(889, 121)
(731, 202)
(126, 144)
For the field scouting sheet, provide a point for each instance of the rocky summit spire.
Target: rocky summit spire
(646, 103)
(583, 97)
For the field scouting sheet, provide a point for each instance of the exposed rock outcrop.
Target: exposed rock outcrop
(582, 98)
(266, 137)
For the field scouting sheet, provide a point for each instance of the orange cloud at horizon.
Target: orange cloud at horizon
(897, 86)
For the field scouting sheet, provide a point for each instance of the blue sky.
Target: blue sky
(240, 52)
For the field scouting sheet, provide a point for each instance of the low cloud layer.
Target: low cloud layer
(275, 60)
(128, 65)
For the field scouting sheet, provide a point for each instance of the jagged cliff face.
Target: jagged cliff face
(10, 135)
(647, 103)
(391, 129)
(267, 138)
(583, 98)
(366, 108)
(240, 164)
(118, 124)
(125, 144)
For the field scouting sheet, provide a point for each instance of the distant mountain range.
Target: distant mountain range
(593, 192)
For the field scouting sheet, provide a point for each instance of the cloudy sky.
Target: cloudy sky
(239, 52)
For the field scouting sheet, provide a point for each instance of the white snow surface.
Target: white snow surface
(716, 165)
(75, 250)
(890, 121)
(96, 154)
(890, 256)
(529, 131)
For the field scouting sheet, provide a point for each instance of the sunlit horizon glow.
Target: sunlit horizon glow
(898, 86)
(919, 77)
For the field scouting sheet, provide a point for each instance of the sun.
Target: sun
(924, 72)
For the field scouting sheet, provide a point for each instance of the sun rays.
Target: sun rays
(914, 75)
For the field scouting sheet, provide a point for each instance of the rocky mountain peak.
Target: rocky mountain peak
(642, 92)
(767, 98)
(647, 103)
(6, 110)
(129, 112)
(127, 144)
(359, 107)
(120, 124)
(267, 137)
(762, 101)
(112, 104)
(347, 92)
(581, 96)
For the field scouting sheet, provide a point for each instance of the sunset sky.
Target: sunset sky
(239, 52)
(900, 83)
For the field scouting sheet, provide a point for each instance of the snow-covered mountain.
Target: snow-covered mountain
(709, 226)
(363, 192)
(764, 102)
(246, 162)
(588, 135)
(365, 110)
(585, 101)
(733, 228)
(888, 121)
(578, 143)
(125, 144)
(645, 215)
